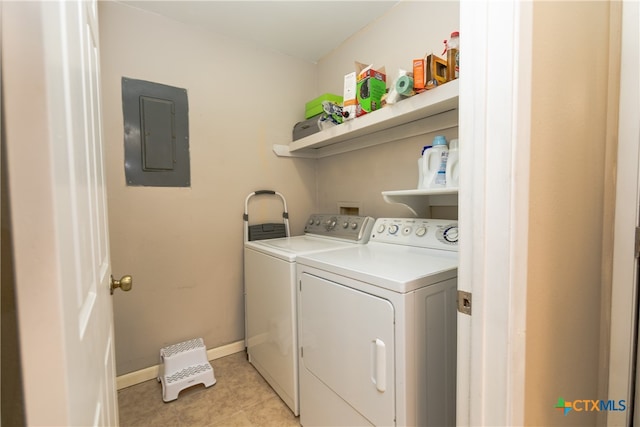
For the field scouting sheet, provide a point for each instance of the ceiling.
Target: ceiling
(304, 29)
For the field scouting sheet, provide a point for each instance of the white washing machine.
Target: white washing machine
(377, 328)
(270, 295)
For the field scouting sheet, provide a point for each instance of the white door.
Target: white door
(52, 126)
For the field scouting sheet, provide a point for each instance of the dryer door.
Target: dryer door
(347, 341)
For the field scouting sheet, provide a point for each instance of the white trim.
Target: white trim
(623, 292)
(150, 373)
(494, 202)
(520, 168)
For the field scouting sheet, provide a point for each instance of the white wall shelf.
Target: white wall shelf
(430, 111)
(419, 201)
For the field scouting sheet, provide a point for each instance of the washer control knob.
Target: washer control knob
(381, 228)
(393, 229)
(451, 234)
(331, 223)
(354, 225)
(317, 222)
(311, 221)
(421, 231)
(345, 224)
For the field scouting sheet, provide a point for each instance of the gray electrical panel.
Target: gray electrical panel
(156, 134)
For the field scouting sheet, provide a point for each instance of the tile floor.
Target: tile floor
(240, 397)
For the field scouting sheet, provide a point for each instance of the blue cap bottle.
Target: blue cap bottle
(438, 166)
(439, 140)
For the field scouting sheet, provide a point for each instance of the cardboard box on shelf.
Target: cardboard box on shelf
(436, 69)
(419, 74)
(428, 72)
(370, 88)
(349, 97)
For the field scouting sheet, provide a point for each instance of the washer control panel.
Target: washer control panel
(424, 233)
(348, 227)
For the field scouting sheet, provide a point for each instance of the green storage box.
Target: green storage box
(314, 107)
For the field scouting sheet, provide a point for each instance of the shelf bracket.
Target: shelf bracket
(419, 202)
(282, 150)
(419, 208)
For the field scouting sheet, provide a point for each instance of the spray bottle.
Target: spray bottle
(452, 49)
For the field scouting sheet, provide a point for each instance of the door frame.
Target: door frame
(494, 135)
(29, 170)
(624, 283)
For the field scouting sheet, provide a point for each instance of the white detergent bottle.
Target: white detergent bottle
(453, 170)
(435, 163)
(421, 181)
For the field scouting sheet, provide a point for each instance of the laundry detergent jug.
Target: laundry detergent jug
(453, 171)
(434, 164)
(421, 180)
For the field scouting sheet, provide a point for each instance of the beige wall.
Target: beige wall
(183, 246)
(410, 30)
(360, 177)
(568, 210)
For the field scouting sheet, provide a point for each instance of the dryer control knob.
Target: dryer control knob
(345, 224)
(354, 225)
(451, 234)
(393, 229)
(381, 228)
(421, 231)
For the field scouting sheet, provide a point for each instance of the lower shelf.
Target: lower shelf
(418, 201)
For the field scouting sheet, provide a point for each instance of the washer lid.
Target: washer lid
(398, 268)
(289, 248)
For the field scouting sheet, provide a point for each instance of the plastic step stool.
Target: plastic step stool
(183, 365)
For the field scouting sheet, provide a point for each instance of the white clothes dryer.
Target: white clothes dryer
(377, 328)
(270, 295)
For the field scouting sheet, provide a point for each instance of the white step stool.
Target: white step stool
(183, 365)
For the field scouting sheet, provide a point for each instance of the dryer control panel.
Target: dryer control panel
(424, 233)
(348, 227)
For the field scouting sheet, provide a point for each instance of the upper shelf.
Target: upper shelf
(409, 117)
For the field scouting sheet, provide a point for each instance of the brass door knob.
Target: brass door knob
(125, 283)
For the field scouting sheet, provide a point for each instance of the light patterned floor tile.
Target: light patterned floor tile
(240, 397)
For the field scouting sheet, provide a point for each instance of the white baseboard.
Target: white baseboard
(150, 373)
